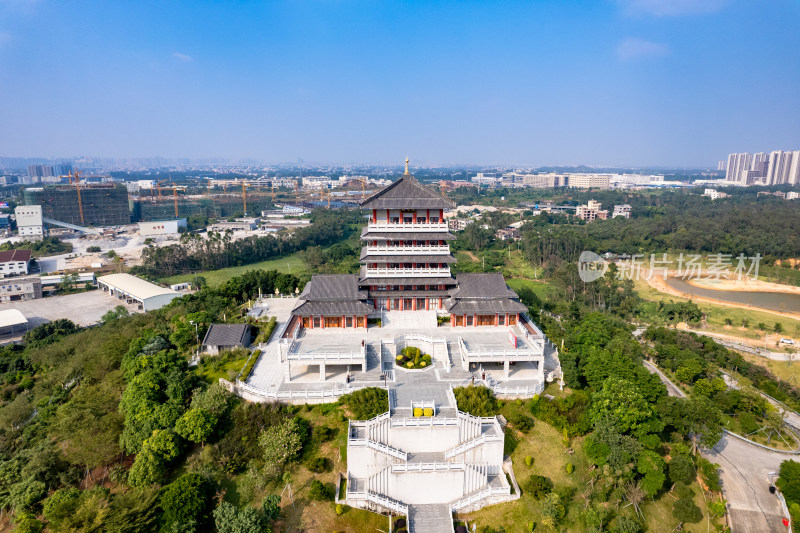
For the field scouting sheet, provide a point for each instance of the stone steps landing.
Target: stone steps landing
(430, 519)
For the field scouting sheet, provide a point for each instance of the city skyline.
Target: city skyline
(626, 83)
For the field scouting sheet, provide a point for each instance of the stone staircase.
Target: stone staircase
(430, 519)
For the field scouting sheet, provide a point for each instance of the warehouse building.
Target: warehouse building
(135, 290)
(12, 322)
(162, 227)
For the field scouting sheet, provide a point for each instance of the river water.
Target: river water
(775, 301)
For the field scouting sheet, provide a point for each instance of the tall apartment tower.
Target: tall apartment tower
(783, 167)
(736, 164)
(406, 259)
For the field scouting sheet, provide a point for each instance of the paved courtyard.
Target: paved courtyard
(269, 373)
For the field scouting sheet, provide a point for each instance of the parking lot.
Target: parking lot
(84, 308)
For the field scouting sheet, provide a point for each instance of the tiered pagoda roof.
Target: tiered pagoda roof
(407, 193)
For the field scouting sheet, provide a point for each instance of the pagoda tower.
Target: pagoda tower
(406, 256)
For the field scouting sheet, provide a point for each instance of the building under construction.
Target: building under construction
(213, 206)
(96, 204)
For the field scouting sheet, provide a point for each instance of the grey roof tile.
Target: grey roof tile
(406, 193)
(227, 335)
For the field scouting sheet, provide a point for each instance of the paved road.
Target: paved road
(742, 347)
(672, 389)
(744, 470)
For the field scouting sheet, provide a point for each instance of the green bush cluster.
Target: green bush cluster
(413, 358)
(477, 401)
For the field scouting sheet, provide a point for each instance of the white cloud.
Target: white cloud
(671, 8)
(182, 57)
(633, 48)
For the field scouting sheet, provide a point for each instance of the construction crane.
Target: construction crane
(175, 198)
(77, 177)
(363, 185)
(158, 186)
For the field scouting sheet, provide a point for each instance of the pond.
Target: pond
(775, 301)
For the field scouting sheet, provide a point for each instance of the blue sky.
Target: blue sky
(606, 82)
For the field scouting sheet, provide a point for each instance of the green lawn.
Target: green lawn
(289, 264)
(539, 288)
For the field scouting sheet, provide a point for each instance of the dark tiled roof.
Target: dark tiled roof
(341, 308)
(407, 193)
(472, 307)
(483, 293)
(365, 282)
(486, 285)
(15, 255)
(332, 287)
(367, 235)
(407, 258)
(408, 294)
(227, 335)
(332, 295)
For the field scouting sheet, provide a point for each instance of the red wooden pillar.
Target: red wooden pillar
(374, 215)
(387, 216)
(415, 216)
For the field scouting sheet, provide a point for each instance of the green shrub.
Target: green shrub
(417, 411)
(477, 401)
(366, 403)
(321, 491)
(339, 509)
(317, 464)
(248, 366)
(427, 411)
(529, 460)
(570, 468)
(320, 434)
(521, 422)
(538, 486)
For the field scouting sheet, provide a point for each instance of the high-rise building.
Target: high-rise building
(40, 171)
(775, 168)
(721, 165)
(736, 164)
(783, 167)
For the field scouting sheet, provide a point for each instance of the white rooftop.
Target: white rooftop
(12, 317)
(136, 287)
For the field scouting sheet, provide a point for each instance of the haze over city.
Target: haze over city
(610, 83)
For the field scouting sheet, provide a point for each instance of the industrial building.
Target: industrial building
(135, 290)
(18, 289)
(29, 222)
(100, 204)
(12, 322)
(162, 227)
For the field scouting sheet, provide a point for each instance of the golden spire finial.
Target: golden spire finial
(406, 172)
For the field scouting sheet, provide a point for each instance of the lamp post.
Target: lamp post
(196, 337)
